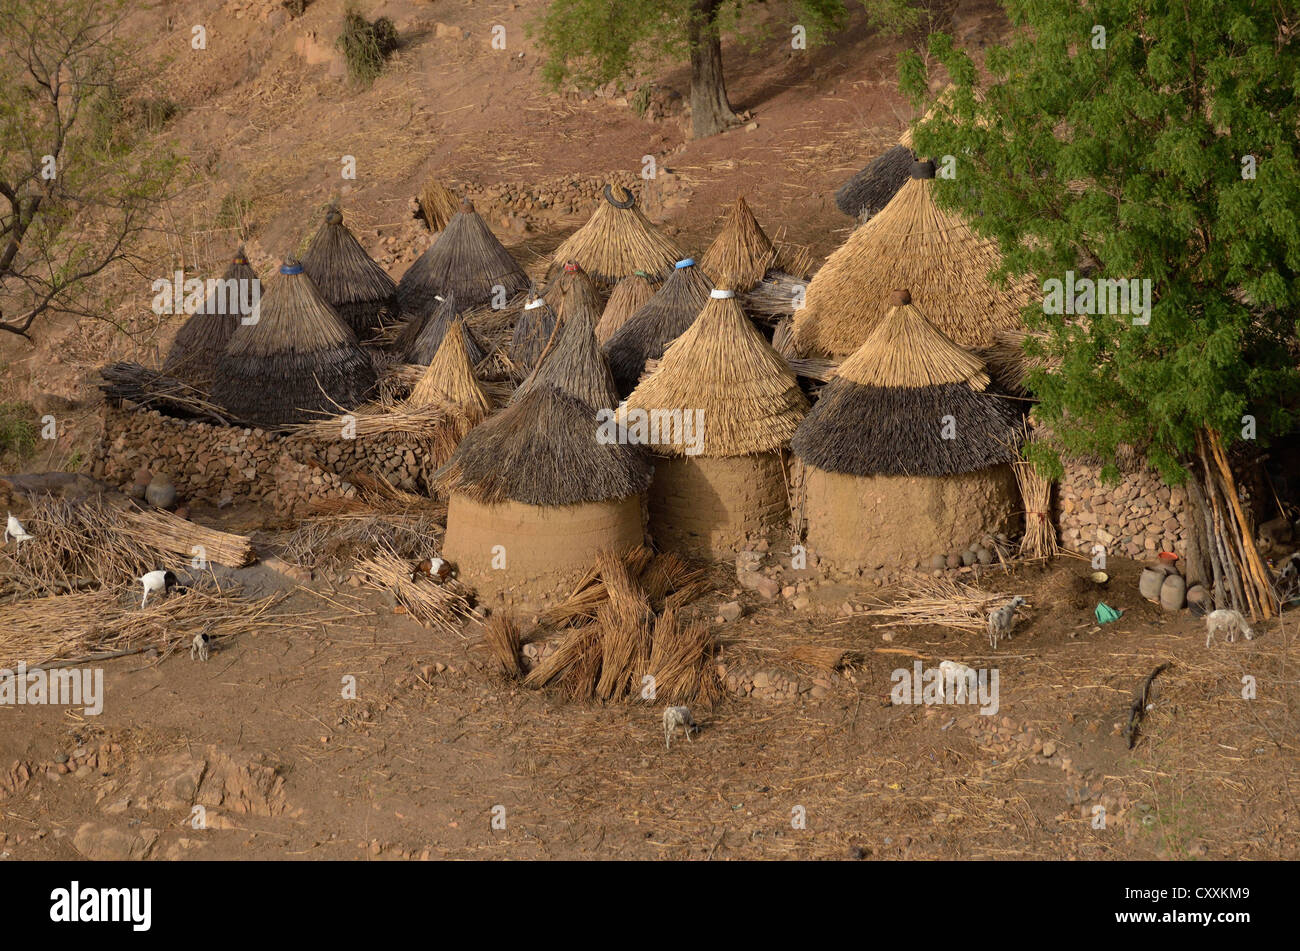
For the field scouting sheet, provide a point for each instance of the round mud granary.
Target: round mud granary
(716, 505)
(720, 411)
(907, 452)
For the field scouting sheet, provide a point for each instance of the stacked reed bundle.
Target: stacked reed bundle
(203, 337)
(723, 367)
(441, 604)
(437, 205)
(169, 395)
(741, 253)
(532, 333)
(422, 336)
(617, 241)
(501, 637)
(590, 591)
(572, 361)
(1014, 355)
(883, 412)
(943, 602)
(627, 297)
(911, 243)
(779, 294)
(542, 450)
(450, 381)
(299, 360)
(658, 323)
(350, 280)
(468, 261)
(1039, 540)
(871, 189)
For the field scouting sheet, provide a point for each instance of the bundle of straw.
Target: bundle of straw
(442, 605)
(437, 204)
(501, 637)
(680, 658)
(173, 535)
(943, 602)
(1039, 540)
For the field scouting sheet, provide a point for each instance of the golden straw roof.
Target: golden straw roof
(618, 240)
(722, 366)
(911, 243)
(741, 253)
(905, 351)
(450, 381)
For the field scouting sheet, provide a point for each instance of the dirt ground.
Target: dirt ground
(438, 752)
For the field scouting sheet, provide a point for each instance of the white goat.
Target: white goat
(675, 717)
(154, 581)
(1228, 623)
(14, 529)
(1002, 621)
(200, 647)
(960, 675)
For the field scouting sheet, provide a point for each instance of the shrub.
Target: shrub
(366, 46)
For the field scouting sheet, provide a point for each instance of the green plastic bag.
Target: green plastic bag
(1105, 613)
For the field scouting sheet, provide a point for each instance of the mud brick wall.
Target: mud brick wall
(1137, 518)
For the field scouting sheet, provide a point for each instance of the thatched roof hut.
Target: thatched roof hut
(870, 190)
(422, 336)
(532, 332)
(202, 339)
(467, 260)
(572, 361)
(298, 361)
(572, 289)
(616, 241)
(911, 429)
(911, 243)
(741, 253)
(627, 297)
(350, 280)
(658, 323)
(726, 405)
(450, 380)
(534, 495)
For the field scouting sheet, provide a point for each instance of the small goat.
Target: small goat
(14, 529)
(434, 568)
(201, 646)
(959, 674)
(154, 581)
(1228, 623)
(675, 717)
(1002, 621)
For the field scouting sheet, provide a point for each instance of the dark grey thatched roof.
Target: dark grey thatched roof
(203, 338)
(350, 280)
(422, 336)
(532, 332)
(573, 363)
(658, 323)
(543, 450)
(467, 260)
(296, 362)
(871, 189)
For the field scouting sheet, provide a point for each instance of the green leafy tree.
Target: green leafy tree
(1149, 140)
(597, 41)
(76, 188)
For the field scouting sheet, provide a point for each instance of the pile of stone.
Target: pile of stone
(1137, 518)
(983, 552)
(775, 685)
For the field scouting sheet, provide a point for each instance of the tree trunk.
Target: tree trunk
(711, 113)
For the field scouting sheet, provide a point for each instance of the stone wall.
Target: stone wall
(1137, 518)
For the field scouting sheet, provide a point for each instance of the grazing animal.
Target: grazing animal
(200, 647)
(675, 717)
(153, 581)
(434, 568)
(1002, 621)
(14, 529)
(958, 674)
(1288, 579)
(1228, 623)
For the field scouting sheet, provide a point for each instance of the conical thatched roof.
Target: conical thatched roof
(422, 336)
(298, 361)
(722, 366)
(661, 321)
(618, 240)
(467, 260)
(572, 290)
(203, 337)
(437, 205)
(350, 280)
(908, 402)
(532, 332)
(450, 379)
(572, 362)
(741, 253)
(869, 191)
(543, 450)
(625, 299)
(912, 243)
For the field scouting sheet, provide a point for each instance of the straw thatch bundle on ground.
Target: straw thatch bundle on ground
(885, 411)
(300, 359)
(433, 429)
(168, 395)
(203, 337)
(543, 450)
(450, 380)
(422, 336)
(532, 332)
(572, 362)
(871, 189)
(725, 369)
(617, 241)
(658, 323)
(627, 297)
(741, 253)
(468, 261)
(437, 205)
(911, 243)
(350, 280)
(434, 603)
